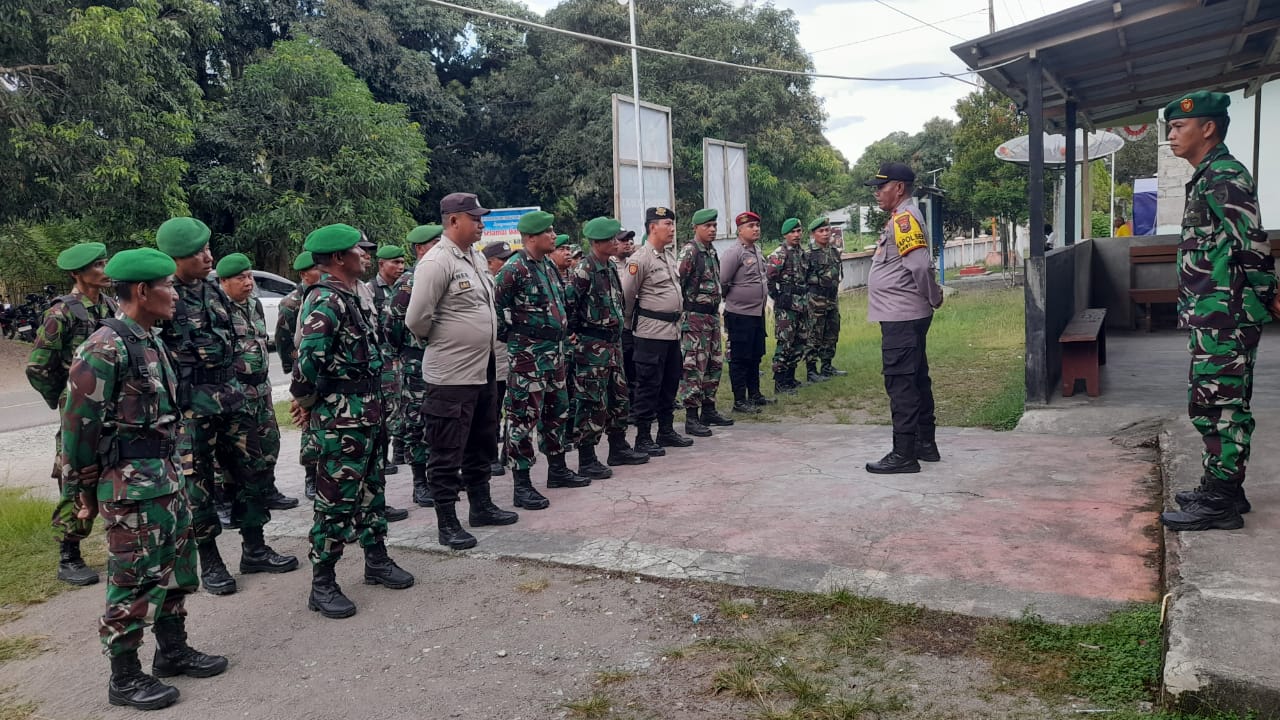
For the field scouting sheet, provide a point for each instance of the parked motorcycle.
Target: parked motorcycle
(27, 317)
(7, 313)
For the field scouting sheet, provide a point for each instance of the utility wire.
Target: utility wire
(982, 11)
(695, 58)
(922, 22)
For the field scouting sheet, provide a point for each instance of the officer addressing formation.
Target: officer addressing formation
(158, 391)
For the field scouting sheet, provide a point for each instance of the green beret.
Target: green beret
(601, 228)
(390, 252)
(332, 238)
(233, 265)
(424, 234)
(140, 265)
(705, 215)
(1197, 104)
(303, 261)
(182, 237)
(535, 222)
(816, 223)
(561, 241)
(790, 224)
(78, 257)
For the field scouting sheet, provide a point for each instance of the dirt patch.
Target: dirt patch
(13, 363)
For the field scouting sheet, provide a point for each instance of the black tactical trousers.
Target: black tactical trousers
(659, 367)
(906, 374)
(744, 350)
(461, 422)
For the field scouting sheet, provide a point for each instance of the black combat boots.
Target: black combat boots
(692, 425)
(256, 556)
(813, 375)
(449, 530)
(902, 459)
(131, 687)
(620, 453)
(71, 567)
(1215, 508)
(589, 466)
(213, 572)
(309, 483)
(482, 511)
(712, 417)
(421, 492)
(742, 404)
(667, 435)
(1190, 496)
(927, 444)
(276, 500)
(326, 596)
(560, 476)
(175, 657)
(394, 514)
(645, 443)
(754, 396)
(829, 370)
(785, 384)
(398, 455)
(380, 569)
(523, 494)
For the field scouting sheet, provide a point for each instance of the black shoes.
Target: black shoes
(746, 407)
(785, 385)
(309, 484)
(902, 459)
(668, 437)
(421, 491)
(279, 501)
(523, 494)
(1189, 496)
(692, 425)
(258, 557)
(1215, 509)
(449, 530)
(712, 418)
(756, 398)
(645, 443)
(482, 511)
(71, 567)
(175, 657)
(813, 375)
(829, 370)
(620, 453)
(380, 569)
(131, 687)
(560, 476)
(213, 572)
(589, 466)
(326, 596)
(395, 514)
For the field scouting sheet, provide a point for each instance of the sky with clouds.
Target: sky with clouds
(869, 38)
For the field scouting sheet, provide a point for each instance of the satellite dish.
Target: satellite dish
(1101, 144)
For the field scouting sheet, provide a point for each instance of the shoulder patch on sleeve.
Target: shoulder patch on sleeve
(907, 233)
(633, 268)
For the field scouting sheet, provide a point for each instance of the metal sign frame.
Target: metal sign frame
(728, 212)
(621, 165)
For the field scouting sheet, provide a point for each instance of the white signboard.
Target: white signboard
(724, 182)
(656, 162)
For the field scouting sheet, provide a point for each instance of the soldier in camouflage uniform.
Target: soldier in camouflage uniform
(390, 269)
(496, 255)
(1228, 292)
(409, 348)
(789, 288)
(562, 258)
(701, 344)
(595, 319)
(253, 361)
(532, 300)
(337, 390)
(66, 324)
(202, 341)
(287, 349)
(120, 434)
(823, 272)
(369, 293)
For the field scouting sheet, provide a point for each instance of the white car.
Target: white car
(269, 288)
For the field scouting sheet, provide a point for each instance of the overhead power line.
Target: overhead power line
(922, 22)
(982, 11)
(696, 58)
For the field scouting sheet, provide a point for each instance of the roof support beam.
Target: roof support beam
(1160, 95)
(1250, 12)
(1141, 53)
(1272, 57)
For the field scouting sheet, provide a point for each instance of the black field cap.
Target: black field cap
(655, 214)
(500, 250)
(462, 203)
(889, 172)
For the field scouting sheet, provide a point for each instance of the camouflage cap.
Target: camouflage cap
(1201, 103)
(78, 257)
(140, 265)
(182, 237)
(233, 265)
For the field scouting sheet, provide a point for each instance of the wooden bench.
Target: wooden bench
(1146, 297)
(1084, 351)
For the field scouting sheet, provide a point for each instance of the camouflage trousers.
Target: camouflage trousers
(702, 348)
(413, 427)
(537, 398)
(232, 443)
(791, 333)
(824, 334)
(350, 505)
(600, 403)
(393, 403)
(1220, 386)
(66, 526)
(262, 414)
(151, 567)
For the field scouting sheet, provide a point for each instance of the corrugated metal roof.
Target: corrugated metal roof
(1121, 58)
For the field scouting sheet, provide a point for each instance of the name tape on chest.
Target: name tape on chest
(907, 234)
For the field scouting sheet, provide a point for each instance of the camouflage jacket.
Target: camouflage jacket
(108, 405)
(531, 296)
(252, 355)
(596, 310)
(339, 368)
(61, 331)
(287, 326)
(822, 272)
(202, 338)
(399, 337)
(1225, 267)
(788, 277)
(699, 268)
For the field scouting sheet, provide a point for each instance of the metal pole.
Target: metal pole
(1113, 192)
(635, 93)
(1067, 233)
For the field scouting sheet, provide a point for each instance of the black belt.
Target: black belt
(539, 333)
(147, 447)
(212, 376)
(255, 379)
(411, 353)
(826, 292)
(600, 333)
(343, 386)
(657, 315)
(704, 308)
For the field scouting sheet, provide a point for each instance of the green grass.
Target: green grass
(283, 418)
(18, 647)
(975, 359)
(28, 574)
(12, 708)
(596, 706)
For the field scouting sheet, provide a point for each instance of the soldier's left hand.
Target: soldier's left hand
(299, 414)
